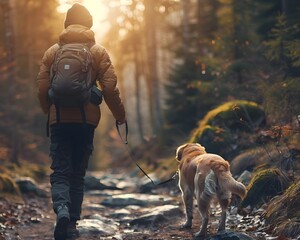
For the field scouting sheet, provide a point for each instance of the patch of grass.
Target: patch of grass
(283, 212)
(8, 185)
(36, 171)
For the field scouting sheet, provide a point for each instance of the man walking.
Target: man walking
(72, 128)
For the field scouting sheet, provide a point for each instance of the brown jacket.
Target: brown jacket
(104, 74)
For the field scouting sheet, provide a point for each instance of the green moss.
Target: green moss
(238, 114)
(265, 184)
(213, 138)
(225, 130)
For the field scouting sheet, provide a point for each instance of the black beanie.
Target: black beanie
(78, 14)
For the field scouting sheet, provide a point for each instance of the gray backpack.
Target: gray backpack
(71, 76)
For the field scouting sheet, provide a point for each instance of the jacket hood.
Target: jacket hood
(77, 34)
(78, 14)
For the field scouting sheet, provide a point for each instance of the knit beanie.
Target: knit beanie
(78, 14)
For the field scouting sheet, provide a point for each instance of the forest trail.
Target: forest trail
(119, 214)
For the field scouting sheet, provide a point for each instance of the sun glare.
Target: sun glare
(97, 9)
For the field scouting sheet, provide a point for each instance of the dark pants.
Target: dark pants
(70, 149)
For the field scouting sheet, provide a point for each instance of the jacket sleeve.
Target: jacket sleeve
(108, 82)
(43, 78)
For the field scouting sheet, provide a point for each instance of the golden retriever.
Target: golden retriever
(205, 175)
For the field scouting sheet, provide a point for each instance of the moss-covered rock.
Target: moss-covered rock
(235, 115)
(225, 129)
(283, 213)
(215, 139)
(265, 184)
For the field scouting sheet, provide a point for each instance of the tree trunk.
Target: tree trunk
(10, 76)
(235, 37)
(137, 76)
(186, 27)
(152, 72)
(284, 6)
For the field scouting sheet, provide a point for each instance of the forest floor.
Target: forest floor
(34, 219)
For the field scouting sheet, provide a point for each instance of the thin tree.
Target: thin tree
(10, 75)
(152, 71)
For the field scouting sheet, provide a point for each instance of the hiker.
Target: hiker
(72, 127)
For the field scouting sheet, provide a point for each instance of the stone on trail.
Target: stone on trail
(28, 186)
(94, 183)
(97, 225)
(94, 207)
(230, 235)
(121, 213)
(145, 185)
(157, 215)
(136, 199)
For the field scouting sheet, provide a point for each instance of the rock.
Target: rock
(246, 161)
(257, 157)
(97, 225)
(230, 235)
(135, 199)
(145, 185)
(127, 184)
(103, 193)
(156, 215)
(94, 207)
(94, 183)
(120, 213)
(28, 186)
(121, 181)
(245, 177)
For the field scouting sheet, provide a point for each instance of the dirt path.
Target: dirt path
(35, 219)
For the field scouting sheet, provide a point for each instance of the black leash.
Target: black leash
(125, 141)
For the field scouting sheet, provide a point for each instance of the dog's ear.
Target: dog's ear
(179, 151)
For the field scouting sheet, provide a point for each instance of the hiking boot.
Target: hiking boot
(72, 231)
(62, 222)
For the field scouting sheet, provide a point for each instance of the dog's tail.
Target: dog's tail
(225, 179)
(237, 188)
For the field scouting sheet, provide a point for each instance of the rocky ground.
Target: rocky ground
(115, 208)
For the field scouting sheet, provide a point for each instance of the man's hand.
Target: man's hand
(125, 129)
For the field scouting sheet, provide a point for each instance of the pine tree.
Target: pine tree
(283, 87)
(193, 86)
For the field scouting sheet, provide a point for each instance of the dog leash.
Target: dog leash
(125, 141)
